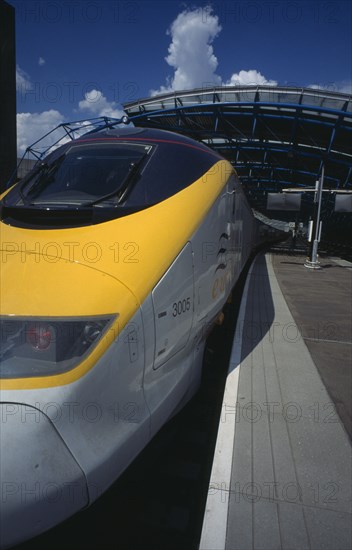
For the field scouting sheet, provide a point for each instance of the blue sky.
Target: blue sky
(81, 58)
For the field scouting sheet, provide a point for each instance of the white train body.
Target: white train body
(65, 440)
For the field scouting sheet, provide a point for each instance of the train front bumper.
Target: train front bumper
(41, 482)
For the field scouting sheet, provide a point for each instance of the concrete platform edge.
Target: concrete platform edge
(214, 528)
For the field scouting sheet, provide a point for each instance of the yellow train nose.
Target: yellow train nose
(46, 299)
(40, 285)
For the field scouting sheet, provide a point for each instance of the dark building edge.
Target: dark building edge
(8, 133)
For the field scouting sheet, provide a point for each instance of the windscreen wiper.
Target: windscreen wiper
(125, 187)
(24, 197)
(43, 172)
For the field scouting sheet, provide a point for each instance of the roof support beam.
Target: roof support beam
(293, 129)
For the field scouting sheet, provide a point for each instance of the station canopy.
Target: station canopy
(277, 138)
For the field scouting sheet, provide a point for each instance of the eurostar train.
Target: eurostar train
(118, 253)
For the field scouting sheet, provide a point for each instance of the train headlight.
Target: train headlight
(39, 336)
(43, 347)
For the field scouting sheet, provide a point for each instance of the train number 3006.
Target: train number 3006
(181, 307)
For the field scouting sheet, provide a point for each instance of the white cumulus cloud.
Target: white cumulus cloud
(343, 86)
(191, 52)
(96, 104)
(32, 126)
(249, 78)
(23, 81)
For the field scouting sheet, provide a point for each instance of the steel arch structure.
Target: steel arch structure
(274, 136)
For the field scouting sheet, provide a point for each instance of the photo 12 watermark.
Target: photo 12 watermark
(323, 494)
(90, 252)
(275, 12)
(85, 94)
(89, 12)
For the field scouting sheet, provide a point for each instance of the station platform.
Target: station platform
(282, 470)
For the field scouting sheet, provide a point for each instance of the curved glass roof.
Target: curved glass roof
(276, 137)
